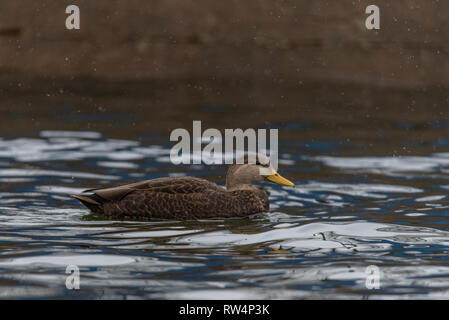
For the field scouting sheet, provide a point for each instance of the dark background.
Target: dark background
(147, 67)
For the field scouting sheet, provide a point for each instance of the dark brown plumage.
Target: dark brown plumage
(184, 197)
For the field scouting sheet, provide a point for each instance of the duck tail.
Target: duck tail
(91, 201)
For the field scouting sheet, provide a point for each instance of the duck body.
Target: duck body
(175, 198)
(188, 197)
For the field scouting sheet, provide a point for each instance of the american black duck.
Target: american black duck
(187, 197)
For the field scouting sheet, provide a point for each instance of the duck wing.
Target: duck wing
(170, 185)
(167, 185)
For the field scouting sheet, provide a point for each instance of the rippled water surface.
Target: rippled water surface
(348, 211)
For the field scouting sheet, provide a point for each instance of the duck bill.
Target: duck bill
(277, 178)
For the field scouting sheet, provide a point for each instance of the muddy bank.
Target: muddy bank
(290, 41)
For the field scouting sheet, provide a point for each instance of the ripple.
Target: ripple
(319, 236)
(71, 134)
(346, 213)
(388, 164)
(36, 173)
(380, 191)
(78, 260)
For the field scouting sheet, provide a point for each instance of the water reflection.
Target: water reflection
(315, 243)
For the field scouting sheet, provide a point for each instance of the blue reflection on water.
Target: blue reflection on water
(346, 212)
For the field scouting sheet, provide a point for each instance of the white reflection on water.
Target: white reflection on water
(73, 148)
(315, 243)
(388, 164)
(71, 134)
(360, 189)
(358, 243)
(92, 260)
(51, 173)
(318, 236)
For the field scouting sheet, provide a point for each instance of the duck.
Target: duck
(187, 198)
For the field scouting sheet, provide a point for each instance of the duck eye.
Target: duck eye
(266, 165)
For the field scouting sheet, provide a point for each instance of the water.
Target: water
(347, 212)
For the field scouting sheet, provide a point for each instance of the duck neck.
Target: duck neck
(232, 181)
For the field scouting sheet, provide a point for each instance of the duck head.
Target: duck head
(253, 168)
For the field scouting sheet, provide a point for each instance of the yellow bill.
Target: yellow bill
(277, 178)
